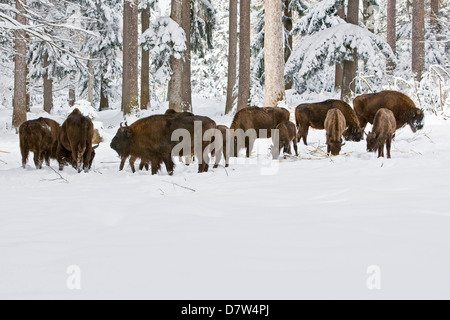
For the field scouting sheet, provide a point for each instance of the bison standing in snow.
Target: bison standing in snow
(403, 108)
(39, 136)
(335, 126)
(258, 119)
(384, 126)
(314, 114)
(286, 135)
(75, 139)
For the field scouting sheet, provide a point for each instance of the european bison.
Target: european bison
(171, 112)
(384, 126)
(403, 108)
(335, 126)
(314, 114)
(286, 135)
(39, 136)
(75, 138)
(258, 119)
(151, 139)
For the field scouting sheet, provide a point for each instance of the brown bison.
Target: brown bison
(384, 126)
(151, 140)
(335, 126)
(75, 138)
(39, 136)
(258, 119)
(286, 134)
(404, 109)
(313, 115)
(171, 112)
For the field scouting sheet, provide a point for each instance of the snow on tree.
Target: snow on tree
(332, 45)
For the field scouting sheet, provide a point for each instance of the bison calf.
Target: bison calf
(286, 135)
(384, 126)
(39, 136)
(335, 125)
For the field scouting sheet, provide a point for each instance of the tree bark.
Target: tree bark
(244, 55)
(273, 53)
(91, 81)
(174, 89)
(186, 104)
(145, 63)
(72, 93)
(350, 66)
(20, 71)
(288, 25)
(338, 71)
(130, 86)
(391, 30)
(435, 14)
(232, 55)
(418, 39)
(104, 101)
(48, 87)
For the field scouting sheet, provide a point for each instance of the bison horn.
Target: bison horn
(95, 147)
(121, 124)
(126, 123)
(343, 144)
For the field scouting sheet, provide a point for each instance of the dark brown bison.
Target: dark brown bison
(75, 138)
(258, 119)
(39, 136)
(171, 112)
(313, 115)
(335, 126)
(151, 140)
(403, 108)
(286, 135)
(384, 126)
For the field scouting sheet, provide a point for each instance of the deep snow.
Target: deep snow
(310, 229)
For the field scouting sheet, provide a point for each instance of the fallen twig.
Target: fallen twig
(60, 177)
(176, 184)
(3, 161)
(4, 151)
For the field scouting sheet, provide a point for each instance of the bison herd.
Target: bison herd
(155, 140)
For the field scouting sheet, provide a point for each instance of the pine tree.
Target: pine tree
(232, 55)
(391, 29)
(350, 66)
(418, 39)
(20, 69)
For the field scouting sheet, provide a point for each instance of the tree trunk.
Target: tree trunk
(72, 93)
(273, 53)
(350, 66)
(435, 15)
(368, 18)
(338, 71)
(145, 63)
(288, 25)
(20, 71)
(186, 95)
(418, 39)
(28, 99)
(48, 87)
(130, 86)
(104, 101)
(232, 55)
(391, 30)
(174, 89)
(244, 55)
(91, 81)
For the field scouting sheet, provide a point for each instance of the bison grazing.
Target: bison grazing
(151, 140)
(314, 114)
(75, 138)
(384, 126)
(258, 119)
(403, 108)
(286, 135)
(335, 126)
(39, 136)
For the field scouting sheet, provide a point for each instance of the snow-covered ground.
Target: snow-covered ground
(309, 228)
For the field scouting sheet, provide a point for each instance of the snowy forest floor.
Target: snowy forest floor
(307, 228)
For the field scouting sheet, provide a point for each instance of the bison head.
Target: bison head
(334, 147)
(121, 141)
(372, 145)
(417, 120)
(353, 134)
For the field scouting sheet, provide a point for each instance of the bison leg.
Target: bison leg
(303, 134)
(47, 159)
(156, 165)
(381, 151)
(168, 162)
(295, 147)
(25, 153)
(132, 161)
(388, 148)
(122, 163)
(249, 143)
(38, 158)
(143, 164)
